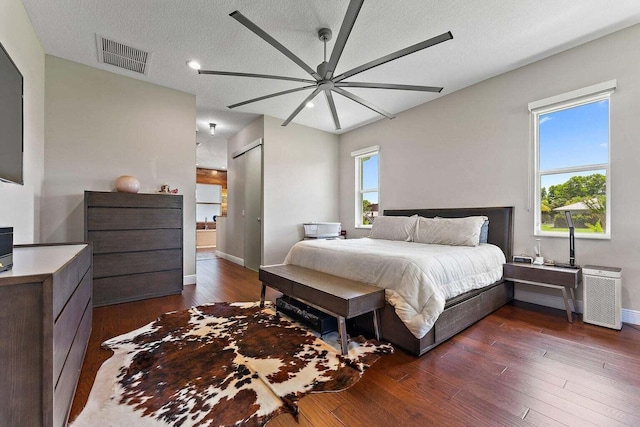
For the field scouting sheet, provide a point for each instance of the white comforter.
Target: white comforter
(417, 277)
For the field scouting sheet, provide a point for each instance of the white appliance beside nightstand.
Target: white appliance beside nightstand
(602, 289)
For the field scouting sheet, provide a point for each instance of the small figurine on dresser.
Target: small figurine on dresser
(164, 188)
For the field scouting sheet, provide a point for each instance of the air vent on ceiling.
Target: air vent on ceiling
(123, 56)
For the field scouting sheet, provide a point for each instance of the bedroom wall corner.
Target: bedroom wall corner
(300, 184)
(101, 125)
(20, 205)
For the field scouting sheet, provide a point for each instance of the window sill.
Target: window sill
(364, 227)
(581, 236)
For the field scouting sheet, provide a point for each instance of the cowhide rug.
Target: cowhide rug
(218, 365)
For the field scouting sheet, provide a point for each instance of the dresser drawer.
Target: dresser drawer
(64, 329)
(68, 380)
(529, 273)
(120, 264)
(133, 219)
(128, 200)
(66, 280)
(134, 240)
(112, 290)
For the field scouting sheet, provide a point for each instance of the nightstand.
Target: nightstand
(547, 276)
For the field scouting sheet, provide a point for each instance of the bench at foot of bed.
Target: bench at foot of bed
(339, 297)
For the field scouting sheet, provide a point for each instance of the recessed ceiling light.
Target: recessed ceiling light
(309, 105)
(193, 64)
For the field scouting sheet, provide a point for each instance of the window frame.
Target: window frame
(588, 95)
(359, 191)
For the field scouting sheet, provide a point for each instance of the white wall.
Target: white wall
(20, 204)
(300, 175)
(470, 148)
(101, 125)
(300, 184)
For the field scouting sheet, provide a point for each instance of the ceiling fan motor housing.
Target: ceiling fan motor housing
(323, 68)
(324, 34)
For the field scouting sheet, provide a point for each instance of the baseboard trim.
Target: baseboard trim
(231, 258)
(630, 316)
(547, 300)
(627, 316)
(189, 279)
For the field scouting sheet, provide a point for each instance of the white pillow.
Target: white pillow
(394, 227)
(449, 231)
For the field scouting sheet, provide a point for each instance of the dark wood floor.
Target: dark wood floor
(522, 365)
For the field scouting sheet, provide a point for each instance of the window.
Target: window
(571, 137)
(367, 200)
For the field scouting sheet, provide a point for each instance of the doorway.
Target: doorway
(211, 203)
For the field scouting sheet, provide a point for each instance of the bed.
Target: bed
(419, 315)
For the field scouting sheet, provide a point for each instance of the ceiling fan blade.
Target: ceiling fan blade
(301, 106)
(273, 42)
(362, 102)
(399, 54)
(258, 76)
(332, 107)
(347, 25)
(389, 86)
(284, 92)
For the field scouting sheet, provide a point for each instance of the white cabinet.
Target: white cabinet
(208, 202)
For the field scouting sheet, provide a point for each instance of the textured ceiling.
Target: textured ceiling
(490, 37)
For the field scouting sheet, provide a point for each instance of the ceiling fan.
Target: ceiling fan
(324, 78)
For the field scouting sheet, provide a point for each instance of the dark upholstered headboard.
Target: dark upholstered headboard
(500, 222)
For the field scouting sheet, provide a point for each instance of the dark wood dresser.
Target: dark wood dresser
(137, 245)
(45, 312)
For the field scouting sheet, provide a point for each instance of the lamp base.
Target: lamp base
(567, 265)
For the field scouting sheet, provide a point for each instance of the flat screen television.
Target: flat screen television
(11, 120)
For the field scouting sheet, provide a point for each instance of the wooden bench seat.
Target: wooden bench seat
(337, 296)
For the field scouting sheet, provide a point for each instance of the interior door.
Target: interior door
(253, 209)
